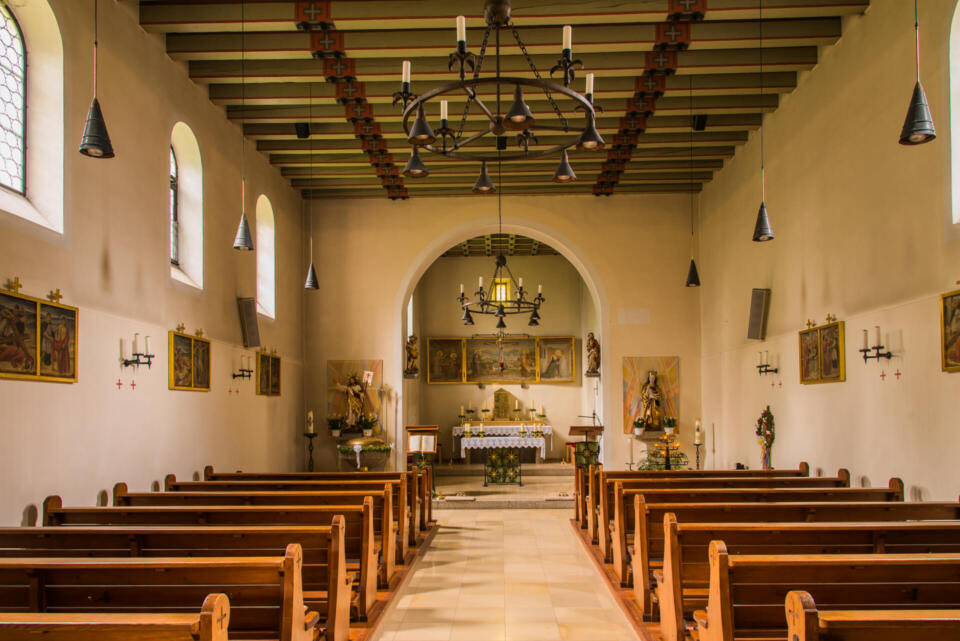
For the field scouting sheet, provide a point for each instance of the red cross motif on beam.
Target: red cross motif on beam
(370, 145)
(622, 154)
(387, 171)
(602, 189)
(660, 61)
(381, 159)
(359, 111)
(313, 12)
(624, 140)
(394, 193)
(119, 384)
(686, 9)
(612, 167)
(633, 123)
(327, 43)
(391, 180)
(641, 106)
(653, 84)
(612, 177)
(350, 91)
(367, 128)
(673, 35)
(339, 69)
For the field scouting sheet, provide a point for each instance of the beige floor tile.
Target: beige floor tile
(526, 631)
(529, 615)
(469, 631)
(595, 632)
(423, 632)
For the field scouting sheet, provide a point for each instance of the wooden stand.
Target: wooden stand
(422, 451)
(310, 436)
(587, 431)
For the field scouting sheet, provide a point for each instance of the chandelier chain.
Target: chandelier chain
(533, 67)
(476, 74)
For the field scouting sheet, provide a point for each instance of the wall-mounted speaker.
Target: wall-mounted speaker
(759, 306)
(303, 130)
(249, 326)
(700, 122)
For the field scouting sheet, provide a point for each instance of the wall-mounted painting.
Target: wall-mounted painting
(557, 363)
(353, 389)
(950, 331)
(268, 374)
(38, 339)
(822, 354)
(483, 364)
(651, 389)
(445, 360)
(189, 362)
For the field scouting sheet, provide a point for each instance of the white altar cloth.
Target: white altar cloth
(490, 442)
(502, 430)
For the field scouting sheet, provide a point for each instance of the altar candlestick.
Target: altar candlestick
(866, 340)
(444, 110)
(589, 83)
(405, 72)
(146, 340)
(461, 29)
(516, 405)
(568, 38)
(136, 351)
(878, 343)
(462, 413)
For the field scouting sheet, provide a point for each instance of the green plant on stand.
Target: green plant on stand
(367, 423)
(336, 425)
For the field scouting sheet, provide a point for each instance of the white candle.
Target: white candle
(444, 110)
(589, 83)
(405, 72)
(516, 405)
(462, 413)
(147, 341)
(461, 29)
(630, 440)
(759, 358)
(539, 289)
(470, 405)
(123, 352)
(136, 351)
(520, 282)
(481, 282)
(878, 343)
(461, 288)
(542, 411)
(766, 358)
(568, 37)
(866, 340)
(310, 422)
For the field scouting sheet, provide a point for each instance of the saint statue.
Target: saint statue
(650, 396)
(413, 357)
(593, 355)
(355, 393)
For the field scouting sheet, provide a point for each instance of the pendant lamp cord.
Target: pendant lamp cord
(763, 175)
(499, 193)
(95, 2)
(916, 28)
(691, 166)
(309, 121)
(243, 104)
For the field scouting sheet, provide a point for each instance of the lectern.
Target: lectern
(588, 432)
(586, 453)
(422, 444)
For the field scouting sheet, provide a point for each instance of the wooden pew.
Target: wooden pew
(405, 518)
(210, 624)
(683, 582)
(806, 623)
(648, 542)
(747, 592)
(425, 480)
(590, 523)
(266, 595)
(613, 538)
(54, 514)
(317, 544)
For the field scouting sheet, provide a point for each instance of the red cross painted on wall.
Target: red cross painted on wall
(119, 384)
(133, 385)
(883, 375)
(898, 374)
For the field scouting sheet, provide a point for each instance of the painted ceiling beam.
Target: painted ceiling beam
(361, 167)
(580, 187)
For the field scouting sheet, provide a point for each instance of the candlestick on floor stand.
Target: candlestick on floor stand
(310, 436)
(698, 446)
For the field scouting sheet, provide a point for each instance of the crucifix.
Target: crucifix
(54, 296)
(181, 327)
(13, 285)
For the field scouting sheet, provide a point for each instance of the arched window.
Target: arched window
(13, 104)
(955, 112)
(174, 203)
(266, 259)
(185, 218)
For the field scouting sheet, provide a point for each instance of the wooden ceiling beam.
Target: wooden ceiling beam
(349, 15)
(436, 181)
(421, 43)
(361, 167)
(581, 188)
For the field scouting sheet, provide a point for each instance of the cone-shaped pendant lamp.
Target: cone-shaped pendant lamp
(501, 324)
(421, 133)
(312, 282)
(467, 317)
(243, 240)
(484, 185)
(918, 125)
(590, 139)
(415, 167)
(519, 116)
(564, 172)
(95, 142)
(693, 277)
(762, 230)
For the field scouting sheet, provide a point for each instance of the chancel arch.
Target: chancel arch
(186, 207)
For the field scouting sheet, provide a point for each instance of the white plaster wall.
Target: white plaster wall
(864, 231)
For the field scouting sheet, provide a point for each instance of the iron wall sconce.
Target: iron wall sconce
(763, 367)
(139, 358)
(877, 348)
(243, 372)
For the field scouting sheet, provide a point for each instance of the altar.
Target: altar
(505, 428)
(501, 455)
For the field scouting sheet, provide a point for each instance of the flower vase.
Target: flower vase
(765, 454)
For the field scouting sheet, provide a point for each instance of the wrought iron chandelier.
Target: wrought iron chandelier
(498, 301)
(456, 143)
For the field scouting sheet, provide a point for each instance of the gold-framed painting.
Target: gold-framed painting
(38, 339)
(557, 360)
(482, 362)
(950, 331)
(445, 358)
(268, 374)
(823, 354)
(189, 362)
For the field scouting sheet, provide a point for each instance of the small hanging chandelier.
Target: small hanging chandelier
(454, 142)
(918, 125)
(505, 295)
(243, 240)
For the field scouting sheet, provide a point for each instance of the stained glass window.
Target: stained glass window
(174, 209)
(12, 102)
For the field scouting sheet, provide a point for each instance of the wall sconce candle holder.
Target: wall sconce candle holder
(139, 359)
(766, 369)
(878, 353)
(243, 373)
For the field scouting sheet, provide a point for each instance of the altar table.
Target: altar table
(503, 430)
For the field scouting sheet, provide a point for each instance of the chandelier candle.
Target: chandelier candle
(589, 91)
(461, 34)
(567, 40)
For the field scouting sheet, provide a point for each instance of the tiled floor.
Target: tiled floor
(504, 575)
(533, 487)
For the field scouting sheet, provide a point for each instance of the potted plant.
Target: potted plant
(639, 427)
(765, 434)
(669, 424)
(335, 423)
(367, 423)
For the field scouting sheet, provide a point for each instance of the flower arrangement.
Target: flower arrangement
(367, 447)
(765, 429)
(336, 423)
(367, 422)
(669, 421)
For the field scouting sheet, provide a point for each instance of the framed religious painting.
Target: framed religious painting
(810, 356)
(444, 360)
(38, 339)
(268, 374)
(833, 367)
(556, 360)
(189, 362)
(483, 362)
(950, 331)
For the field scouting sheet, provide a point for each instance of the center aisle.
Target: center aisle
(504, 575)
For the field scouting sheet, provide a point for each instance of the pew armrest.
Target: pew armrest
(311, 620)
(700, 618)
